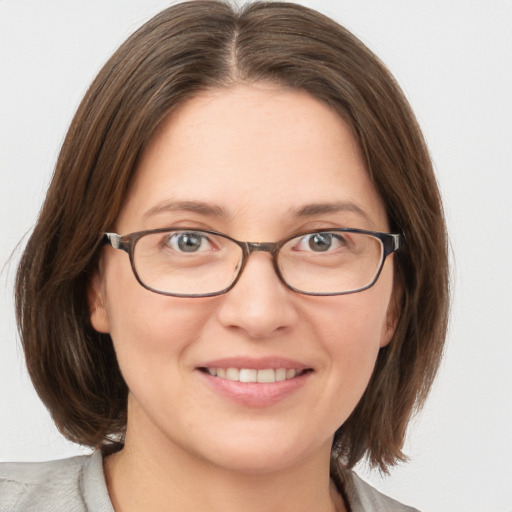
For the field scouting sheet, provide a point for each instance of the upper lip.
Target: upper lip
(261, 363)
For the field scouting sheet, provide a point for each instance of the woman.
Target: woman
(279, 314)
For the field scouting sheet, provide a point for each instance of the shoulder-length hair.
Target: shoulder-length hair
(186, 49)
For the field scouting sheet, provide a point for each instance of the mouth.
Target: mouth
(255, 382)
(253, 375)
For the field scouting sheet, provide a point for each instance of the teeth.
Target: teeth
(247, 375)
(290, 374)
(232, 374)
(280, 374)
(266, 375)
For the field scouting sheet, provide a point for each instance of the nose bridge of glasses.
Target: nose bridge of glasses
(271, 247)
(261, 246)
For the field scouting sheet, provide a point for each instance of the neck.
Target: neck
(159, 476)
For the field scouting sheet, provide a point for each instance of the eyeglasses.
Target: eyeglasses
(198, 263)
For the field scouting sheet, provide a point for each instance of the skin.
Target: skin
(259, 153)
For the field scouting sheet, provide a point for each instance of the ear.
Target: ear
(96, 300)
(388, 329)
(392, 315)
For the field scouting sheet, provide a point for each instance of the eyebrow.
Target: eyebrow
(213, 210)
(311, 210)
(200, 207)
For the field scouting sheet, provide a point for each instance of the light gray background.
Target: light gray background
(454, 61)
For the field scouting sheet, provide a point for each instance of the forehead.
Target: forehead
(252, 150)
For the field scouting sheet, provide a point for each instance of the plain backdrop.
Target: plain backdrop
(454, 62)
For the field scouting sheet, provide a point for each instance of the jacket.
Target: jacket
(78, 484)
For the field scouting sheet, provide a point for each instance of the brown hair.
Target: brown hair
(186, 49)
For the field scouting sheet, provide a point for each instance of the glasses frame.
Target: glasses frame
(391, 242)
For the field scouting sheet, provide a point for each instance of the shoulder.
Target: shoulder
(34, 485)
(362, 497)
(69, 484)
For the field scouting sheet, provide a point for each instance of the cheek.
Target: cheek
(149, 331)
(350, 329)
(153, 326)
(354, 322)
(353, 343)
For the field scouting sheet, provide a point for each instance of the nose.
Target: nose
(259, 304)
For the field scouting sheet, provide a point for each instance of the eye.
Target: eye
(319, 242)
(189, 241)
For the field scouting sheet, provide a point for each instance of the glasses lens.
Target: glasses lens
(186, 262)
(331, 262)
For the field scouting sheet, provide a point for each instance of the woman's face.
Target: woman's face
(260, 164)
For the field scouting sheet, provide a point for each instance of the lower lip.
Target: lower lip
(253, 394)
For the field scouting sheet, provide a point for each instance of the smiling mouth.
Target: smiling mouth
(263, 376)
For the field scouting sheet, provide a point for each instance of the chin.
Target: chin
(256, 463)
(262, 454)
